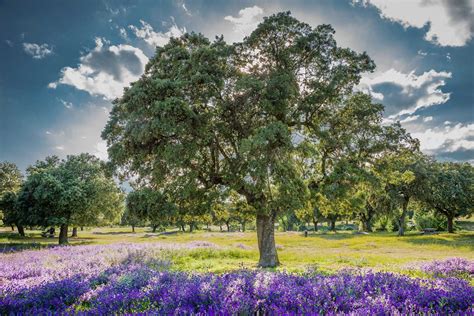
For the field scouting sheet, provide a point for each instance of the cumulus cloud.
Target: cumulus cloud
(405, 93)
(247, 20)
(37, 51)
(105, 71)
(153, 38)
(448, 22)
(447, 139)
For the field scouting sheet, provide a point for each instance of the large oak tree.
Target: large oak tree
(208, 116)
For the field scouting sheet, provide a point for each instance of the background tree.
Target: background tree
(75, 191)
(151, 206)
(405, 176)
(451, 190)
(10, 177)
(241, 211)
(211, 115)
(10, 182)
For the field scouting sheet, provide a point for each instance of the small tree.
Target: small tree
(405, 176)
(148, 205)
(10, 182)
(75, 191)
(451, 190)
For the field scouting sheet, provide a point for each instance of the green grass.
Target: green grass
(326, 252)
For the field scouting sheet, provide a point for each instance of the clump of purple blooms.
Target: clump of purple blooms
(130, 278)
(452, 267)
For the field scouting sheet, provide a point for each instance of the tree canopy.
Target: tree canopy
(251, 117)
(74, 191)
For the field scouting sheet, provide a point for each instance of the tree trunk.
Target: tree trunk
(21, 230)
(74, 232)
(333, 225)
(228, 226)
(63, 234)
(191, 227)
(266, 241)
(154, 228)
(13, 228)
(133, 228)
(82, 228)
(401, 220)
(315, 223)
(450, 224)
(243, 226)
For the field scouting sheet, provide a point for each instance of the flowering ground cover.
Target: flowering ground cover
(133, 278)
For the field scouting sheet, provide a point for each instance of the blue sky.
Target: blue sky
(62, 62)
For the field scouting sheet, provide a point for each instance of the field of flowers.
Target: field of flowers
(133, 278)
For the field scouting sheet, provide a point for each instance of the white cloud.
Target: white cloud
(410, 119)
(123, 33)
(183, 5)
(449, 22)
(449, 138)
(66, 104)
(79, 131)
(153, 38)
(37, 51)
(414, 91)
(105, 71)
(427, 119)
(247, 20)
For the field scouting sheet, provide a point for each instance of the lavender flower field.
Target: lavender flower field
(133, 278)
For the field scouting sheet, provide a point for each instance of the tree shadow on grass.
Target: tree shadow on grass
(465, 240)
(347, 235)
(115, 233)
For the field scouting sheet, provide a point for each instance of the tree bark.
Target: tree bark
(74, 232)
(13, 228)
(315, 223)
(154, 228)
(21, 230)
(333, 225)
(450, 223)
(191, 226)
(227, 224)
(82, 228)
(133, 228)
(243, 226)
(63, 234)
(266, 241)
(220, 226)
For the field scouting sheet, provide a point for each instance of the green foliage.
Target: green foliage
(75, 191)
(10, 178)
(10, 182)
(423, 219)
(148, 205)
(451, 190)
(266, 118)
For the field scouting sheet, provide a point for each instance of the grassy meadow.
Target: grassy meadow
(325, 252)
